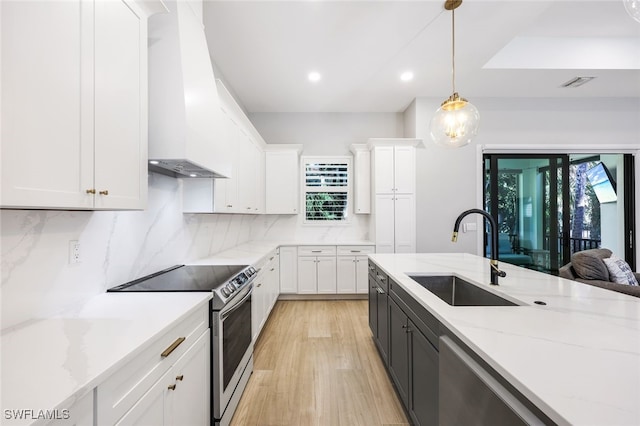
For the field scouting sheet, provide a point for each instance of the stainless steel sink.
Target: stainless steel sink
(458, 292)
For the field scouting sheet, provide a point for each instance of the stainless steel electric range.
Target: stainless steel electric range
(230, 322)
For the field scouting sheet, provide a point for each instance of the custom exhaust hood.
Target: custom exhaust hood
(186, 132)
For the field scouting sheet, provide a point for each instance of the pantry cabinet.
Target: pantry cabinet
(74, 115)
(393, 223)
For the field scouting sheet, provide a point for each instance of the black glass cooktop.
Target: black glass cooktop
(183, 278)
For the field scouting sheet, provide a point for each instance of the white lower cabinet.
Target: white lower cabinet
(352, 270)
(79, 414)
(316, 269)
(168, 383)
(181, 396)
(288, 269)
(316, 275)
(265, 292)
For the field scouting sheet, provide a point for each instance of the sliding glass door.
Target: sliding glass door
(526, 196)
(550, 206)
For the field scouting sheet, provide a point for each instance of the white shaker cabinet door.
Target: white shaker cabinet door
(47, 111)
(346, 274)
(307, 275)
(362, 274)
(120, 113)
(405, 224)
(383, 166)
(281, 180)
(404, 169)
(288, 269)
(327, 275)
(384, 223)
(190, 402)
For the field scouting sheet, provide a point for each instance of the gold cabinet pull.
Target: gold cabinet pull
(91, 191)
(172, 348)
(172, 387)
(105, 192)
(180, 377)
(229, 205)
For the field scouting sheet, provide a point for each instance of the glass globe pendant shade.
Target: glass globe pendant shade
(633, 8)
(455, 123)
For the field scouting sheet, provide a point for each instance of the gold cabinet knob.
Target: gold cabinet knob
(172, 387)
(91, 191)
(180, 377)
(105, 192)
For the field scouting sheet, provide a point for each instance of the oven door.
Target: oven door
(232, 347)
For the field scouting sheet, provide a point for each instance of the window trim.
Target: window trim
(345, 159)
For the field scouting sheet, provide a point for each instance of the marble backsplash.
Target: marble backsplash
(118, 246)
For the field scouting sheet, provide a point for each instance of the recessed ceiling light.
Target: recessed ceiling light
(314, 76)
(154, 162)
(193, 175)
(406, 76)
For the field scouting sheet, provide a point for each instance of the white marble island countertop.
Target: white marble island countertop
(577, 358)
(50, 363)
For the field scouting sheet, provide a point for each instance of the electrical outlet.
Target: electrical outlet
(74, 252)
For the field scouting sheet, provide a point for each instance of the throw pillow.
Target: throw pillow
(620, 271)
(588, 264)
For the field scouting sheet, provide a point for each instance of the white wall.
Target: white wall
(326, 133)
(449, 180)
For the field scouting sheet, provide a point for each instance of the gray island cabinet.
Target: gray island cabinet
(439, 380)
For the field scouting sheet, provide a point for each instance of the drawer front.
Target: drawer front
(372, 268)
(355, 250)
(382, 279)
(316, 250)
(117, 394)
(267, 262)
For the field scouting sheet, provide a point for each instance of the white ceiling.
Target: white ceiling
(504, 48)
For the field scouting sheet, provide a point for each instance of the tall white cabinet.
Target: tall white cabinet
(74, 105)
(393, 222)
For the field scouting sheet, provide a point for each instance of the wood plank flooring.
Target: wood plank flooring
(316, 364)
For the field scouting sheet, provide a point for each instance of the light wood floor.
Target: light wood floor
(316, 364)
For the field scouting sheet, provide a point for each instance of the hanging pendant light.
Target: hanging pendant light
(633, 8)
(456, 121)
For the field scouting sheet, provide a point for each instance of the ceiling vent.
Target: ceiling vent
(577, 82)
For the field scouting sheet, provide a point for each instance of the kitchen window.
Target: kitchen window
(326, 189)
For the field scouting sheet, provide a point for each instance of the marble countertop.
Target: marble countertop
(253, 252)
(50, 363)
(577, 358)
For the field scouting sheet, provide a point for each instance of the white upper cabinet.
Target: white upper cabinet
(362, 178)
(395, 169)
(282, 179)
(74, 109)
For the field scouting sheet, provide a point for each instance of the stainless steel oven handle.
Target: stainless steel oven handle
(237, 305)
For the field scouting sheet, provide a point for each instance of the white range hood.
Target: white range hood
(186, 131)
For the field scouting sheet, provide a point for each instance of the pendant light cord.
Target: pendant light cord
(453, 50)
